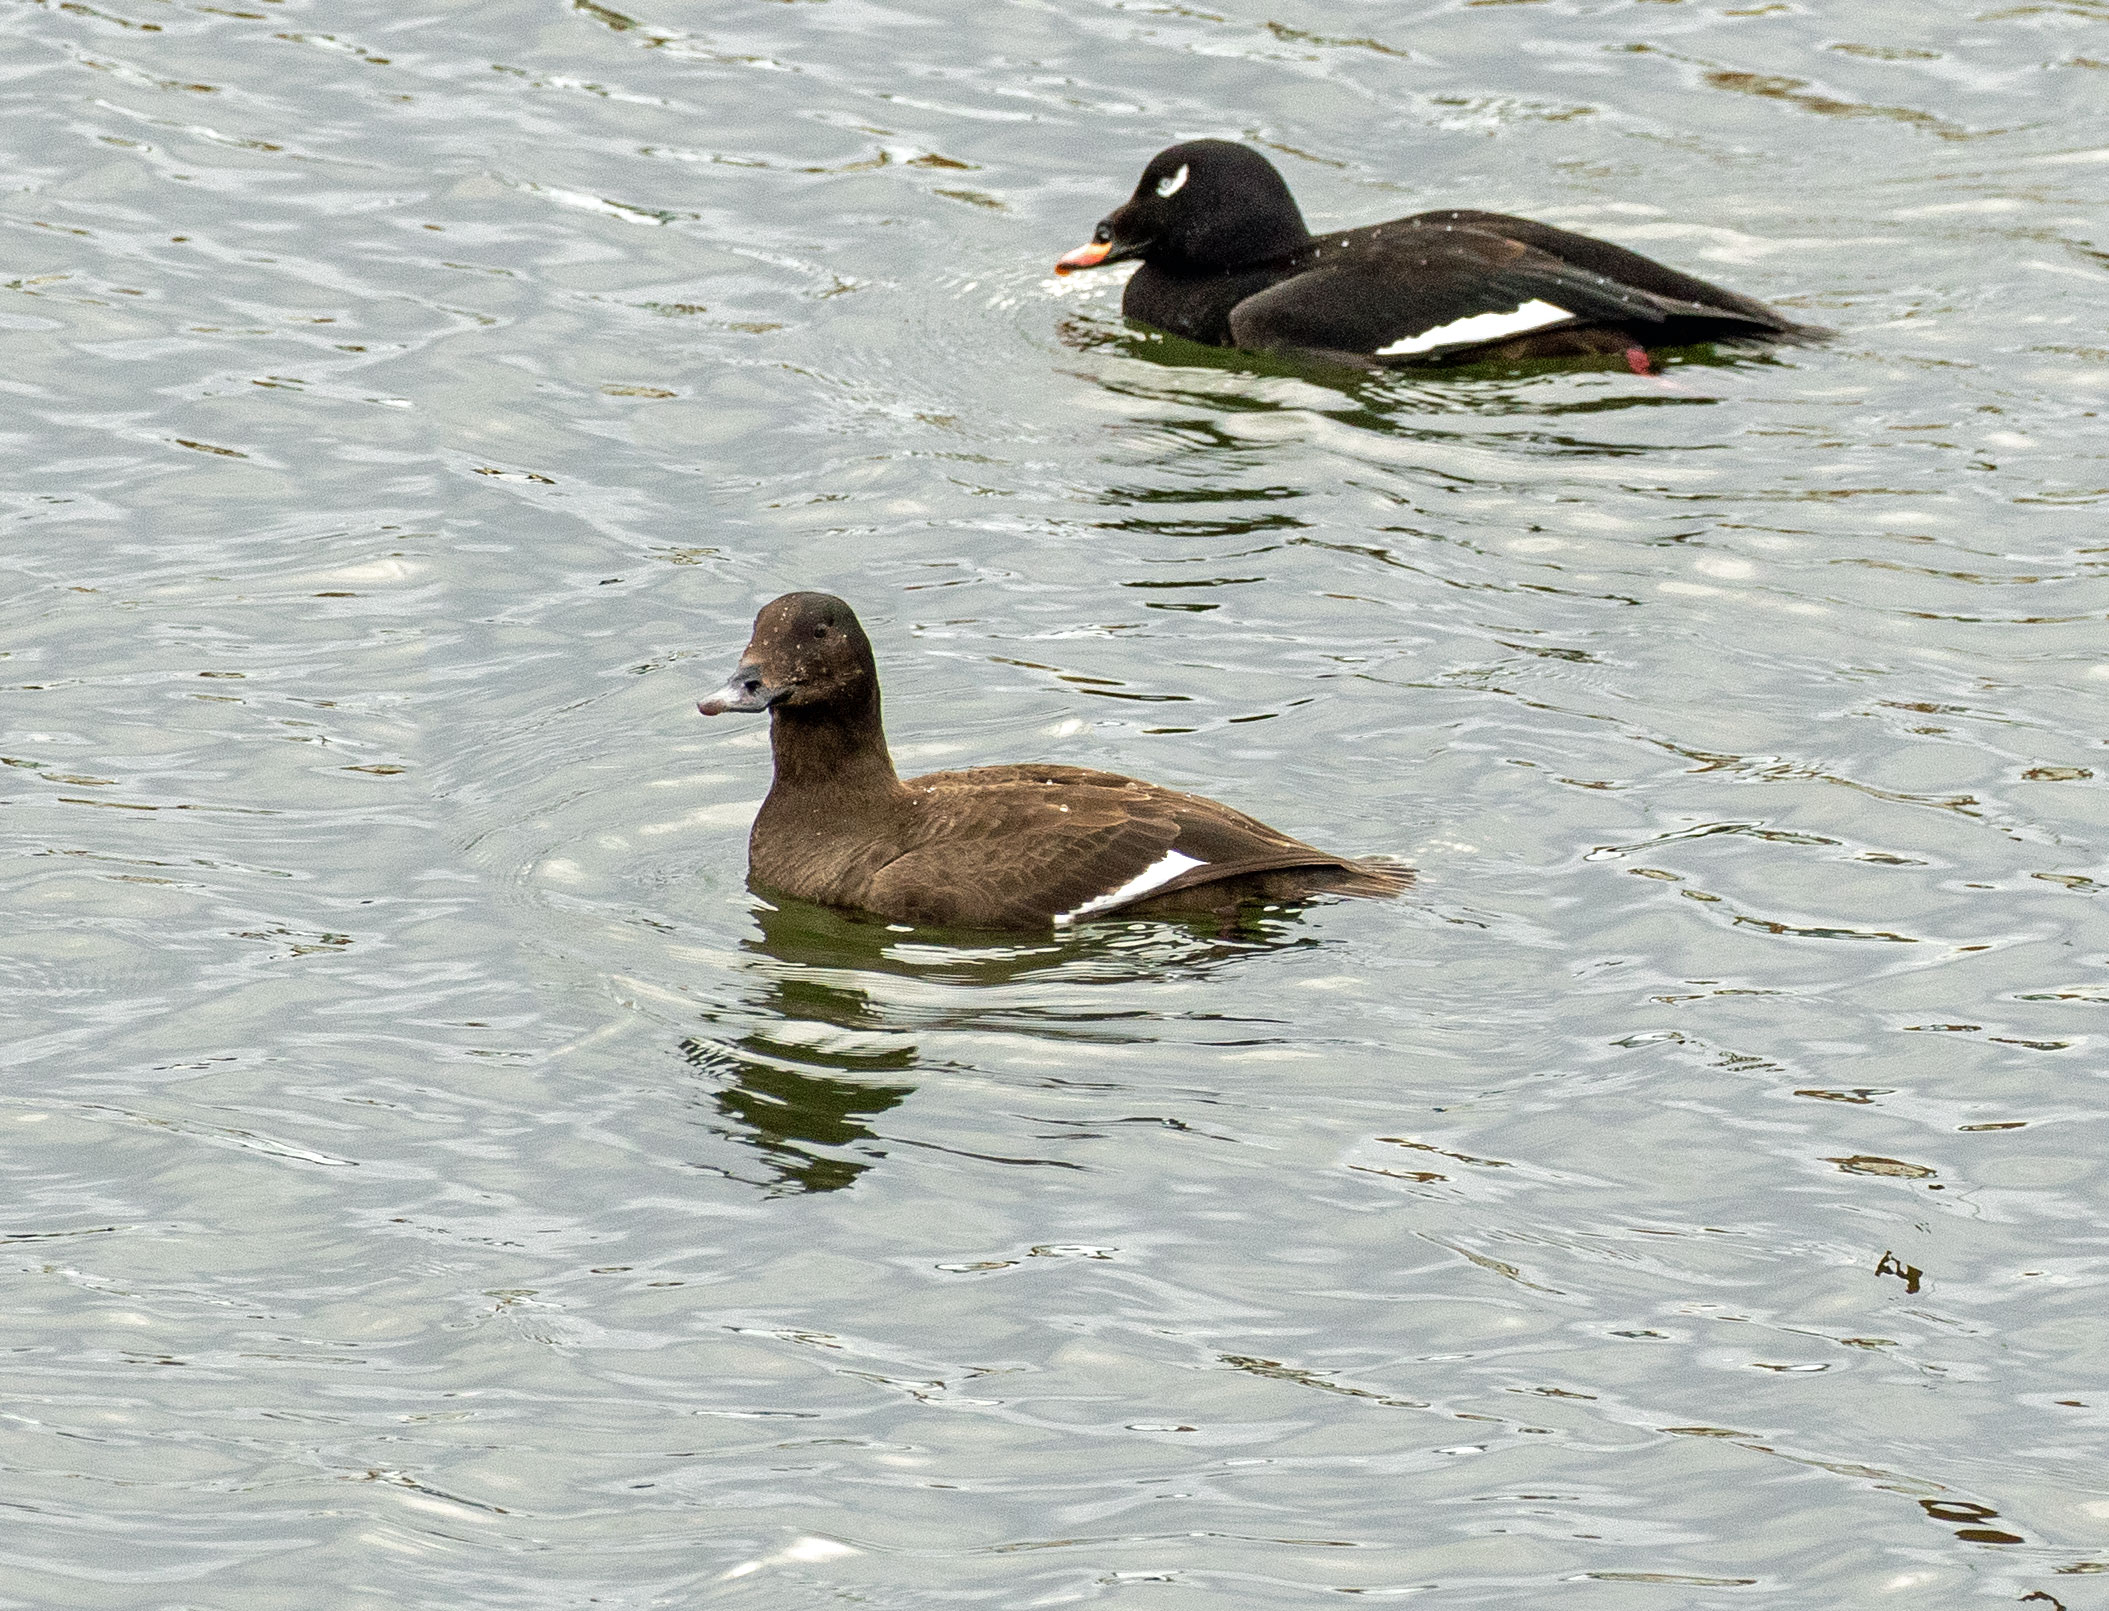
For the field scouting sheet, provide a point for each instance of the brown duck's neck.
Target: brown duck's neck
(831, 752)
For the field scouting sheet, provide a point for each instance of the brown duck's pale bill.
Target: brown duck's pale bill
(745, 692)
(1084, 257)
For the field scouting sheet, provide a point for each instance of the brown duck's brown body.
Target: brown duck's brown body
(997, 847)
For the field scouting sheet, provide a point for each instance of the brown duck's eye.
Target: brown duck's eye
(820, 632)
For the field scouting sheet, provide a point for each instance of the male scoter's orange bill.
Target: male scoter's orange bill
(1083, 257)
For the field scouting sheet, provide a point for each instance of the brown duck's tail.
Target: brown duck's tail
(1377, 877)
(1373, 877)
(1370, 877)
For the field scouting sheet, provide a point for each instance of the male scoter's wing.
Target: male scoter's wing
(1413, 294)
(1614, 263)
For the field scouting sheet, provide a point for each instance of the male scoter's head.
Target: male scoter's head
(807, 653)
(1201, 205)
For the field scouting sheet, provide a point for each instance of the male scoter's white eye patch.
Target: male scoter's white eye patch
(1173, 185)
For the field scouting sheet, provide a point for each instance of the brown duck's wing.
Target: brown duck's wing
(1030, 772)
(1208, 829)
(1015, 852)
(1029, 846)
(1230, 846)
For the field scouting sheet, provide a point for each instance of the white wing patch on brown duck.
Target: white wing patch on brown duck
(1160, 872)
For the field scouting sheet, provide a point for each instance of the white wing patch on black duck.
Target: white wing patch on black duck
(1535, 314)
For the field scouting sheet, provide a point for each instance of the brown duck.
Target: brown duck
(997, 847)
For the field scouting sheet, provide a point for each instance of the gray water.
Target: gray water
(435, 1180)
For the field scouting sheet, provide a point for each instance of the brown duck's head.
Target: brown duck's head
(807, 652)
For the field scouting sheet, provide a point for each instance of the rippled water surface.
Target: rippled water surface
(436, 1181)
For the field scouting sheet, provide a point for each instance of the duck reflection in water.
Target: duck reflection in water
(824, 1048)
(1413, 405)
(810, 1126)
(804, 1101)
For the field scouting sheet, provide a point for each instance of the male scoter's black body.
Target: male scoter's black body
(1226, 260)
